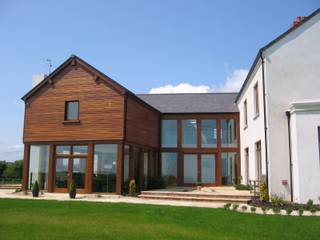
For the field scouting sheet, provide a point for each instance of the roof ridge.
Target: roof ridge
(186, 93)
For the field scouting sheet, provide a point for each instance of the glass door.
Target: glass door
(208, 168)
(62, 173)
(190, 169)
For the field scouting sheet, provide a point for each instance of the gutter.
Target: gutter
(265, 119)
(290, 154)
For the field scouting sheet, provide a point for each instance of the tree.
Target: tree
(14, 170)
(3, 167)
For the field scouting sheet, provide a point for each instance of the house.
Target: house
(81, 126)
(279, 106)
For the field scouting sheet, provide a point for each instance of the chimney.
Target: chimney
(37, 78)
(297, 21)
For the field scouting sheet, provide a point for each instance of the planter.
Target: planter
(72, 194)
(35, 194)
(199, 188)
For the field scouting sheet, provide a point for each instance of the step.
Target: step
(197, 199)
(10, 186)
(201, 195)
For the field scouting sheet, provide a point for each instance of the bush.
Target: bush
(235, 207)
(263, 188)
(264, 209)
(300, 211)
(156, 182)
(309, 204)
(72, 190)
(35, 189)
(313, 209)
(227, 206)
(242, 187)
(277, 200)
(244, 208)
(276, 210)
(132, 188)
(253, 209)
(289, 211)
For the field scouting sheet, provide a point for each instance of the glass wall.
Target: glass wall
(208, 168)
(104, 167)
(190, 169)
(229, 168)
(79, 172)
(228, 133)
(169, 133)
(208, 133)
(62, 166)
(126, 164)
(145, 168)
(169, 167)
(38, 165)
(189, 133)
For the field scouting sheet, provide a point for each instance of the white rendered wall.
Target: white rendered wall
(305, 156)
(254, 131)
(292, 75)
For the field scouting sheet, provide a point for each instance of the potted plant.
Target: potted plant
(199, 186)
(35, 189)
(72, 190)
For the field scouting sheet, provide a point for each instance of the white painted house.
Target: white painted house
(279, 106)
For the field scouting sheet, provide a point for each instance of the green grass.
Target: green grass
(31, 219)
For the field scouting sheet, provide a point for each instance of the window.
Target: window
(169, 167)
(208, 168)
(246, 159)
(229, 168)
(104, 167)
(72, 110)
(319, 140)
(126, 164)
(145, 168)
(77, 150)
(189, 133)
(256, 99)
(245, 113)
(228, 133)
(208, 133)
(38, 166)
(258, 161)
(169, 133)
(190, 168)
(64, 149)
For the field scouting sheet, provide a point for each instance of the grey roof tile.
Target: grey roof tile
(192, 102)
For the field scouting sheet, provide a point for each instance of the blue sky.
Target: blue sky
(204, 45)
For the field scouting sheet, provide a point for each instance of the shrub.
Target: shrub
(253, 209)
(35, 189)
(227, 206)
(277, 200)
(264, 209)
(309, 204)
(242, 187)
(263, 188)
(235, 207)
(313, 209)
(289, 211)
(132, 188)
(156, 182)
(244, 208)
(300, 211)
(72, 190)
(276, 210)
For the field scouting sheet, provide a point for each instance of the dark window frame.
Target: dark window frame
(66, 107)
(245, 109)
(256, 100)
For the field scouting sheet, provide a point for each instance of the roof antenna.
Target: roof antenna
(50, 64)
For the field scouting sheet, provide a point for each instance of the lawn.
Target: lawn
(32, 219)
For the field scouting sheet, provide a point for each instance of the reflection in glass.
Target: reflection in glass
(208, 133)
(72, 110)
(169, 167)
(228, 161)
(64, 149)
(190, 172)
(79, 172)
(104, 167)
(208, 168)
(61, 180)
(228, 133)
(126, 165)
(145, 168)
(38, 166)
(189, 133)
(77, 149)
(169, 133)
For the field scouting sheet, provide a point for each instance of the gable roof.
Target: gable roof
(261, 50)
(192, 102)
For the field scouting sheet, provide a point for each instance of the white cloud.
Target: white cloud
(11, 152)
(233, 83)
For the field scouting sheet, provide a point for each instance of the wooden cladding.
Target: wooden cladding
(142, 124)
(101, 109)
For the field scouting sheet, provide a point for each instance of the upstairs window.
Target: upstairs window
(71, 111)
(245, 113)
(169, 135)
(256, 99)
